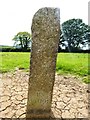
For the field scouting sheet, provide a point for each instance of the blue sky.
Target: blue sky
(16, 15)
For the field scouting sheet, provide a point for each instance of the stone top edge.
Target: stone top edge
(56, 9)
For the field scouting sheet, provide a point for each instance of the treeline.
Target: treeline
(73, 51)
(11, 49)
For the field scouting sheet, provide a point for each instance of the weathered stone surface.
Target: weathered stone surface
(45, 38)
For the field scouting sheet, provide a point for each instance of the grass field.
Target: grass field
(73, 63)
(11, 60)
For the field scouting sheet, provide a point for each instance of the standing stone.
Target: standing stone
(45, 39)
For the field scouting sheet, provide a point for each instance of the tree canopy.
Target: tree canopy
(22, 40)
(75, 34)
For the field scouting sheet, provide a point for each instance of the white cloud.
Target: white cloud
(16, 15)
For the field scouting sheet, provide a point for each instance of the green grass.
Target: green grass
(12, 60)
(67, 63)
(76, 63)
(73, 63)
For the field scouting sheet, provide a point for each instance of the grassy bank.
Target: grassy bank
(74, 63)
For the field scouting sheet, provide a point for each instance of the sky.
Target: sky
(16, 15)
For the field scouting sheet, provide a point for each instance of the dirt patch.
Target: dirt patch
(70, 96)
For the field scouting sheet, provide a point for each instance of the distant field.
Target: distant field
(1, 46)
(73, 63)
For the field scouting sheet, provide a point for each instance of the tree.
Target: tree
(22, 40)
(75, 34)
